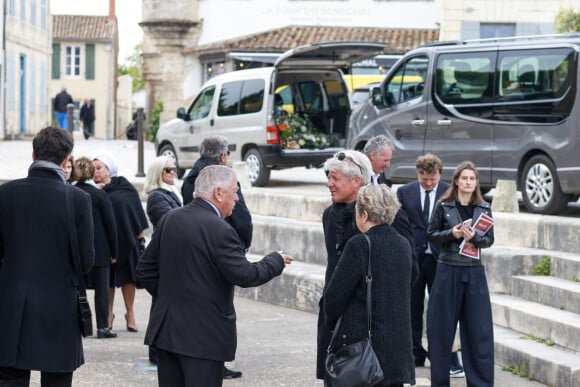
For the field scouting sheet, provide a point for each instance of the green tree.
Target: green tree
(155, 119)
(133, 66)
(567, 21)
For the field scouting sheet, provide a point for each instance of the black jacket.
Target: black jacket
(445, 217)
(104, 223)
(160, 202)
(339, 226)
(191, 266)
(38, 301)
(131, 221)
(346, 294)
(240, 219)
(61, 100)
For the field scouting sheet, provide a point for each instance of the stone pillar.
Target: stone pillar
(167, 31)
(505, 198)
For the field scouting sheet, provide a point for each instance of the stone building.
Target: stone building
(84, 60)
(27, 37)
(482, 19)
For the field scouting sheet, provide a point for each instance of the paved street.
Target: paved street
(276, 345)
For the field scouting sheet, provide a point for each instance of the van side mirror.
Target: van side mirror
(182, 114)
(377, 97)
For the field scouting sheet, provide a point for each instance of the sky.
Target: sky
(128, 16)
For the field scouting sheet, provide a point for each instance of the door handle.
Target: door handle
(444, 122)
(191, 129)
(418, 122)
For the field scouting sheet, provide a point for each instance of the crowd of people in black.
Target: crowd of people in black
(197, 254)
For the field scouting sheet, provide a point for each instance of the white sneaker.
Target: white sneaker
(456, 372)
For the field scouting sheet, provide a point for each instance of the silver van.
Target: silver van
(509, 105)
(295, 113)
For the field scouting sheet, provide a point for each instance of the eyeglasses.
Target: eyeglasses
(227, 153)
(170, 169)
(341, 156)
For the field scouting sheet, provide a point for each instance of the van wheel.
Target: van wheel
(540, 187)
(259, 174)
(168, 151)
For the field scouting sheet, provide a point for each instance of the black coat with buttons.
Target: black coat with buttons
(346, 294)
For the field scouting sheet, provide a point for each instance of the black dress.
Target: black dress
(131, 221)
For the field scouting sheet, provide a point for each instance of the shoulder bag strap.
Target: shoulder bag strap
(369, 279)
(74, 243)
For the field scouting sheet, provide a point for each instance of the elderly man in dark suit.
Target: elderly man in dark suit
(191, 266)
(418, 199)
(39, 316)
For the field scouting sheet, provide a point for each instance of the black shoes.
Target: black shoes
(105, 334)
(231, 374)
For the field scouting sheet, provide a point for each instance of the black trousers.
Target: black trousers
(99, 280)
(175, 370)
(461, 294)
(427, 270)
(13, 377)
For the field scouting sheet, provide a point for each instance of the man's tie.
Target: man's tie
(426, 206)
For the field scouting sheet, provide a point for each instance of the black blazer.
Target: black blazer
(104, 225)
(410, 197)
(160, 202)
(38, 301)
(191, 266)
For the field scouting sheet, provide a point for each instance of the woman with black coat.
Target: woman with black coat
(392, 268)
(162, 195)
(131, 223)
(105, 230)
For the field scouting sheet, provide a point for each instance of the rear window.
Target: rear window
(241, 97)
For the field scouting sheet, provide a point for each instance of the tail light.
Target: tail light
(272, 134)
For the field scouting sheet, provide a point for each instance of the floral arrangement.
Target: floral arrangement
(299, 132)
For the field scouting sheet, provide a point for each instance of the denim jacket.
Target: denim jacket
(445, 216)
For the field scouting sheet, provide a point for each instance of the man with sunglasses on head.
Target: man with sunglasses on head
(347, 172)
(214, 151)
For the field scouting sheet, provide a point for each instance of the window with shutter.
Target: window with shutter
(90, 61)
(55, 61)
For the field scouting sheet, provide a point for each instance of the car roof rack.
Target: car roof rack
(504, 39)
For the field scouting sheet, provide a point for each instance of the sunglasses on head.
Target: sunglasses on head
(170, 169)
(341, 156)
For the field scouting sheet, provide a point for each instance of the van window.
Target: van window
(252, 96)
(465, 78)
(202, 104)
(311, 96)
(241, 97)
(336, 93)
(407, 82)
(284, 100)
(534, 75)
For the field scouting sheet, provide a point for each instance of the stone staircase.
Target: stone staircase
(537, 318)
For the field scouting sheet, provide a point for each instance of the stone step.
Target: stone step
(285, 204)
(303, 240)
(551, 365)
(551, 291)
(544, 322)
(503, 262)
(299, 287)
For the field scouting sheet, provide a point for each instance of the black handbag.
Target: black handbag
(354, 365)
(85, 315)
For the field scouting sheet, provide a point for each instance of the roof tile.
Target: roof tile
(281, 39)
(82, 27)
